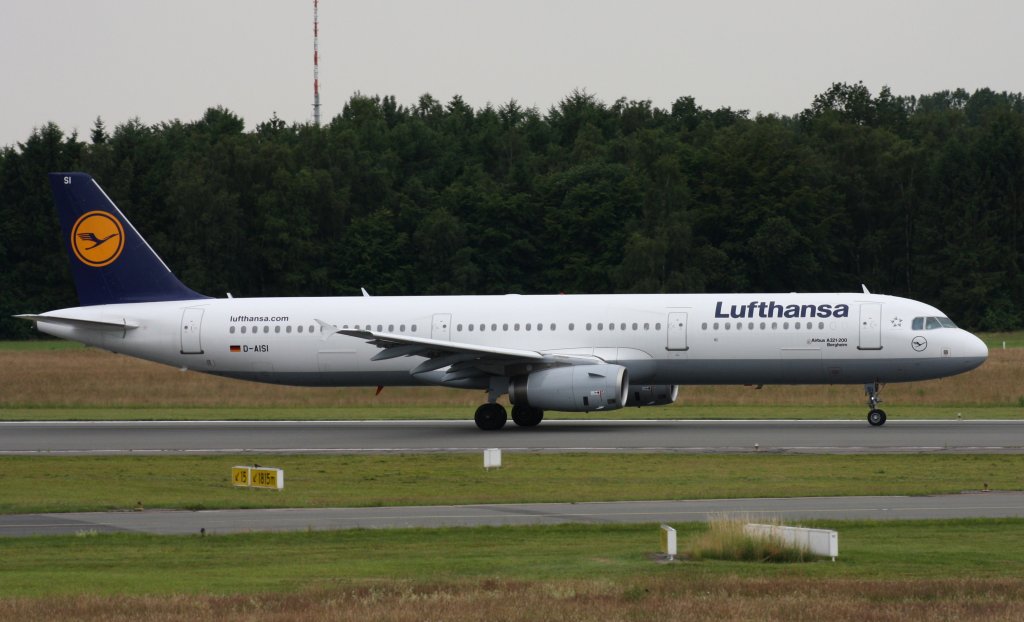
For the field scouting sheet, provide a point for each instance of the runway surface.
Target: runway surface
(968, 505)
(33, 438)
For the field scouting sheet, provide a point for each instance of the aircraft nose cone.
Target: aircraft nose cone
(974, 350)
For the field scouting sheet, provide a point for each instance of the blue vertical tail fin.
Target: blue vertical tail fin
(110, 262)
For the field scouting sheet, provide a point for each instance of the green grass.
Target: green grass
(286, 562)
(995, 341)
(458, 413)
(67, 484)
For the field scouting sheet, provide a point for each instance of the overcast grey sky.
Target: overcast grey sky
(69, 61)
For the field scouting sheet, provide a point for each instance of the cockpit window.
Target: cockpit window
(931, 323)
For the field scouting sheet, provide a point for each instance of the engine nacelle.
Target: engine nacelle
(652, 394)
(575, 388)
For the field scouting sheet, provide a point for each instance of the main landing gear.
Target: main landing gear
(527, 416)
(492, 416)
(876, 416)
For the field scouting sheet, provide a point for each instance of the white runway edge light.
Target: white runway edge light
(492, 458)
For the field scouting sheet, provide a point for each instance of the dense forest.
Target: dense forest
(917, 196)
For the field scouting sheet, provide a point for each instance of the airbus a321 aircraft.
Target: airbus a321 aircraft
(571, 353)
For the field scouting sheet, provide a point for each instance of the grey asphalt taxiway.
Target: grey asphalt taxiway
(968, 505)
(123, 437)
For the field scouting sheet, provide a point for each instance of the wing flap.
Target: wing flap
(432, 348)
(465, 361)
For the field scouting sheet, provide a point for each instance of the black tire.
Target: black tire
(490, 417)
(876, 417)
(527, 416)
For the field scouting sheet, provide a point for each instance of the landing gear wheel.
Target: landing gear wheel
(527, 416)
(876, 417)
(490, 417)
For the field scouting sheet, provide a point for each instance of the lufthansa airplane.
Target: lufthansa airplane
(575, 353)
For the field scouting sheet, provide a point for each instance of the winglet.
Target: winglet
(110, 262)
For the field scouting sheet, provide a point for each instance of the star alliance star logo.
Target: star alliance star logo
(897, 322)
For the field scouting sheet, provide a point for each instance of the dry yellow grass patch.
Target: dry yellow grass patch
(89, 377)
(725, 539)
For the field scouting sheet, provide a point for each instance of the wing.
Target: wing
(463, 361)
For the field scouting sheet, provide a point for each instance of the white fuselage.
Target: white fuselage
(661, 339)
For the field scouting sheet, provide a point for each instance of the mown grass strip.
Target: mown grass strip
(996, 341)
(67, 484)
(290, 562)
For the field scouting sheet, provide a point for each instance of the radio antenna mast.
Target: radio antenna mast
(316, 66)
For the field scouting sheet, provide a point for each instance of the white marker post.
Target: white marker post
(668, 542)
(492, 458)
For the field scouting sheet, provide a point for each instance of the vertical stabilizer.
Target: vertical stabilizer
(110, 262)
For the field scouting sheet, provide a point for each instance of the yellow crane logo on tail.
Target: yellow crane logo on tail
(97, 239)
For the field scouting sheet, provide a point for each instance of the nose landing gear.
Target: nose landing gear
(876, 416)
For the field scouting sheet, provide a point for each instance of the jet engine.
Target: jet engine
(652, 394)
(575, 388)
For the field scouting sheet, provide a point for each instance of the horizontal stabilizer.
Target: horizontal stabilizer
(80, 323)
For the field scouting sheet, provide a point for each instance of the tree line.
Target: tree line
(919, 196)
